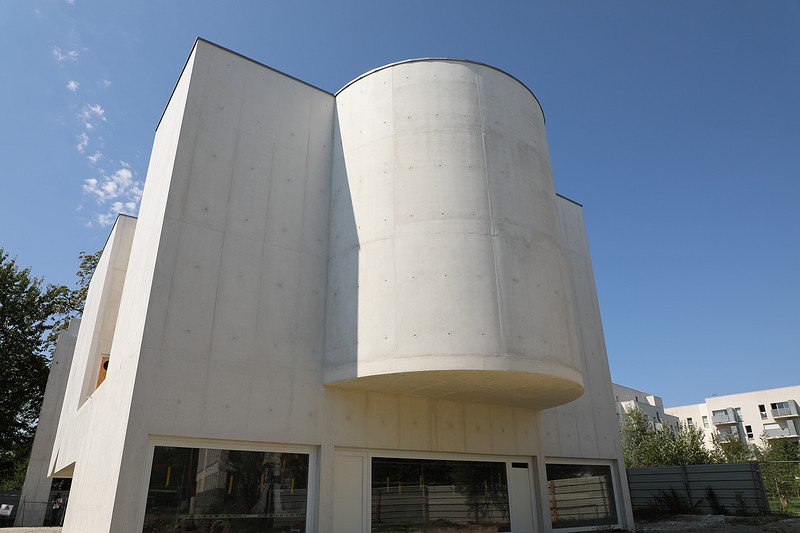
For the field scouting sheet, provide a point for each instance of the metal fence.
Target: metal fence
(735, 488)
(31, 513)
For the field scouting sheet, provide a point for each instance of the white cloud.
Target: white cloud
(94, 158)
(120, 192)
(89, 126)
(124, 163)
(106, 219)
(93, 111)
(83, 142)
(71, 2)
(106, 83)
(64, 55)
(73, 85)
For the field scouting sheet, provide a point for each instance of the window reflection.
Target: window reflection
(581, 495)
(439, 496)
(226, 491)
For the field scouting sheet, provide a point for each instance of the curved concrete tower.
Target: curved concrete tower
(446, 271)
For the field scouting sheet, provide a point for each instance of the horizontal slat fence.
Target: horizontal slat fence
(737, 487)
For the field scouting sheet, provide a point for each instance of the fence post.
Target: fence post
(687, 486)
(758, 481)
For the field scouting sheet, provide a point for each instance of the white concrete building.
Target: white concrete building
(749, 416)
(349, 312)
(651, 405)
(34, 501)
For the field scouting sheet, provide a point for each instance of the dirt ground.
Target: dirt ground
(721, 524)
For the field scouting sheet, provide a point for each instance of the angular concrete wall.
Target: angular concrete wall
(35, 497)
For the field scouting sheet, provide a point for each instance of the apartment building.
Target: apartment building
(651, 405)
(749, 416)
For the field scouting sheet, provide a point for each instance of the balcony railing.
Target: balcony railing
(782, 433)
(723, 419)
(784, 412)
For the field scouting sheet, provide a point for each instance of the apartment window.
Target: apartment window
(200, 489)
(749, 431)
(581, 495)
(738, 414)
(705, 421)
(689, 422)
(762, 411)
(426, 494)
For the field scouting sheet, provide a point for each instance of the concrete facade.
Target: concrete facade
(748, 416)
(651, 405)
(34, 500)
(382, 273)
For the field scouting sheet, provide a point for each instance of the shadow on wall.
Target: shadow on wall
(341, 314)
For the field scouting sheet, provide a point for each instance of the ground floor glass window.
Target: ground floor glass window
(207, 490)
(581, 495)
(439, 496)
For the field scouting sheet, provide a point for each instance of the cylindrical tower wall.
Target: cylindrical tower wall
(447, 277)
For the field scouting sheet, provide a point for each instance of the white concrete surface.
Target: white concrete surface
(35, 497)
(446, 272)
(275, 254)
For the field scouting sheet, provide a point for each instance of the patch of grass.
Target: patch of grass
(792, 509)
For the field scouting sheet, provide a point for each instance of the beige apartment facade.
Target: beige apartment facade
(627, 398)
(344, 312)
(749, 416)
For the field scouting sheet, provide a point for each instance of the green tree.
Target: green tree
(26, 311)
(31, 315)
(637, 438)
(779, 460)
(644, 445)
(731, 449)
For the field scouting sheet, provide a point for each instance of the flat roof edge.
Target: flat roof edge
(581, 205)
(456, 60)
(237, 54)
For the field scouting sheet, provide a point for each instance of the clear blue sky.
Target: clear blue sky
(675, 123)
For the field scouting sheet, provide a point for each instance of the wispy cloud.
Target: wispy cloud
(71, 2)
(64, 55)
(83, 142)
(119, 192)
(106, 83)
(73, 85)
(93, 111)
(89, 126)
(95, 157)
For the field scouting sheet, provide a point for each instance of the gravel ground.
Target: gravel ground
(721, 524)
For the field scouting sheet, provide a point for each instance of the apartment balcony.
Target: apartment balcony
(786, 412)
(729, 417)
(788, 432)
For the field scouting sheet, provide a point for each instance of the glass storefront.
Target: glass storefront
(410, 495)
(581, 495)
(206, 490)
